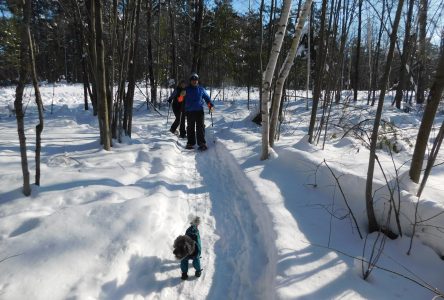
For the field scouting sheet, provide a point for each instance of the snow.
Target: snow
(102, 223)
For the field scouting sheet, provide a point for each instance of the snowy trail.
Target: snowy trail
(236, 255)
(243, 256)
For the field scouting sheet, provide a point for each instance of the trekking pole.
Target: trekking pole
(212, 127)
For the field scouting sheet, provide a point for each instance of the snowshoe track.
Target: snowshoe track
(243, 252)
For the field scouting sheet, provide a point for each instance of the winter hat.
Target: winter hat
(194, 76)
(194, 220)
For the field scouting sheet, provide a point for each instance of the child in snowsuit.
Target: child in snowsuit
(194, 101)
(177, 100)
(189, 247)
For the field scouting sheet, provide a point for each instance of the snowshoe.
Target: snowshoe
(184, 276)
(202, 147)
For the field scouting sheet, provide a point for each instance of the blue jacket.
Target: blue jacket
(195, 97)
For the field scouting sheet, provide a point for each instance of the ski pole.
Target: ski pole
(212, 127)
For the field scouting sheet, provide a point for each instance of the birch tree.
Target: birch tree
(268, 75)
(285, 70)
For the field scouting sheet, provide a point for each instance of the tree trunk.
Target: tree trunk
(172, 13)
(318, 69)
(285, 70)
(38, 101)
(372, 222)
(358, 53)
(18, 103)
(432, 159)
(198, 18)
(132, 72)
(376, 64)
(427, 122)
(404, 58)
(101, 78)
(423, 7)
(149, 6)
(268, 75)
(261, 17)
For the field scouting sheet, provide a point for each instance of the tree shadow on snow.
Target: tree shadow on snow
(142, 278)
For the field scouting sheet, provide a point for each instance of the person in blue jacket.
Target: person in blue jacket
(195, 97)
(193, 233)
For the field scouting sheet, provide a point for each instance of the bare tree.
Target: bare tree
(172, 16)
(100, 72)
(423, 8)
(372, 223)
(404, 57)
(358, 52)
(198, 18)
(150, 74)
(132, 73)
(320, 58)
(18, 103)
(39, 103)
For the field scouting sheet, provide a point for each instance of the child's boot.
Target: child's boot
(198, 273)
(184, 276)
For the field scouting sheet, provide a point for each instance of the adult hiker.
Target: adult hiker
(177, 100)
(195, 97)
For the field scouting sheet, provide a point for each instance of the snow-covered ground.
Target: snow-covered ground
(102, 224)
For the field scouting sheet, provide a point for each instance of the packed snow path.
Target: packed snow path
(235, 254)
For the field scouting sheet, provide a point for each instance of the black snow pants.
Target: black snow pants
(196, 127)
(179, 113)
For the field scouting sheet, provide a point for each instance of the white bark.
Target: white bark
(285, 70)
(268, 75)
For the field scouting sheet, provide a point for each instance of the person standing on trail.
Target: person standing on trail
(177, 100)
(195, 97)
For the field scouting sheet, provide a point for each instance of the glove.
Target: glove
(210, 107)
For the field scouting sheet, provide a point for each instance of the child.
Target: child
(188, 247)
(178, 109)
